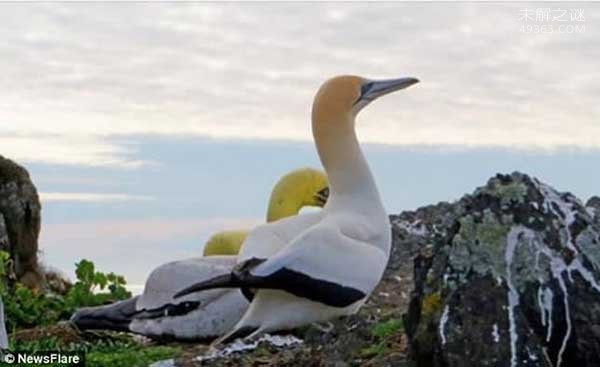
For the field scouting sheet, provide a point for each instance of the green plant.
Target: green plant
(382, 333)
(386, 329)
(26, 308)
(85, 292)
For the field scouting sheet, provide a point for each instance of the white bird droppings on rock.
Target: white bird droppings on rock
(240, 345)
(443, 322)
(495, 334)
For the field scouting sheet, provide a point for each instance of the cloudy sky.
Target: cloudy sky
(148, 126)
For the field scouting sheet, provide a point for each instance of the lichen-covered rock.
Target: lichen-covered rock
(511, 278)
(20, 215)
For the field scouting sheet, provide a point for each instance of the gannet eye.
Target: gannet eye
(372, 90)
(364, 92)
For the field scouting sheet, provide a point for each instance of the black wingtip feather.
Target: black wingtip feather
(222, 281)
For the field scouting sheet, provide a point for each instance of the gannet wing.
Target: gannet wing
(322, 265)
(326, 266)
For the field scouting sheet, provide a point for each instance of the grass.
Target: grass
(130, 356)
(382, 333)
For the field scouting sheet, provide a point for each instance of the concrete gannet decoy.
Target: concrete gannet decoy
(3, 333)
(155, 314)
(315, 267)
(203, 316)
(297, 189)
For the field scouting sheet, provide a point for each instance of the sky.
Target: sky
(149, 126)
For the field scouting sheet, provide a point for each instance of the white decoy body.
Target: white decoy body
(155, 314)
(3, 334)
(318, 266)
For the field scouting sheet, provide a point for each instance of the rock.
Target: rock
(593, 208)
(20, 216)
(593, 202)
(511, 279)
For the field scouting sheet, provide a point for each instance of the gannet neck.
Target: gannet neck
(335, 108)
(343, 160)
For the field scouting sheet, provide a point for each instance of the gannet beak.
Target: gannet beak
(373, 89)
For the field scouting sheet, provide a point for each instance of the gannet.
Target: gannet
(202, 316)
(298, 189)
(3, 334)
(315, 267)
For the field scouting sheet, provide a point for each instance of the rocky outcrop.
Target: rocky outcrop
(511, 278)
(20, 215)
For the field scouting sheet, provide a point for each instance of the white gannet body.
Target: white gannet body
(3, 334)
(312, 268)
(155, 314)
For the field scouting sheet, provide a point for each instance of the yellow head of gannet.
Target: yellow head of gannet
(333, 260)
(294, 191)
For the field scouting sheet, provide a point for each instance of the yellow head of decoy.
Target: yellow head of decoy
(297, 189)
(343, 97)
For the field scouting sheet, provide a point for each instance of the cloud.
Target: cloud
(83, 72)
(68, 149)
(87, 197)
